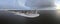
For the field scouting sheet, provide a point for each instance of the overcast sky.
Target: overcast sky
(15, 4)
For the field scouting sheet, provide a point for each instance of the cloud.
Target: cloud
(13, 4)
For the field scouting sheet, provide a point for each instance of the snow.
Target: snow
(25, 15)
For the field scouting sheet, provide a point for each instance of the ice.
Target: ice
(25, 15)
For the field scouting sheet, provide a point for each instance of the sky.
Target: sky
(58, 4)
(13, 4)
(17, 4)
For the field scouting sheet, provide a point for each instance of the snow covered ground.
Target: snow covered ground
(25, 15)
